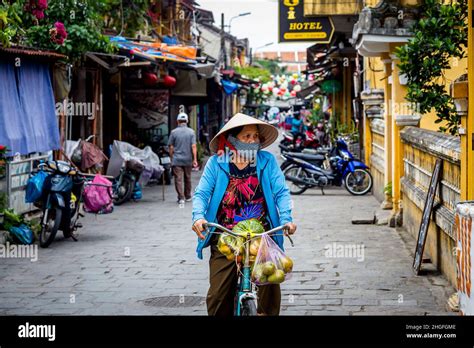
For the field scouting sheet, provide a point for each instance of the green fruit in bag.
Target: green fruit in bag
(268, 268)
(252, 226)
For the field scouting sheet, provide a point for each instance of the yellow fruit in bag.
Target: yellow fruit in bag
(277, 277)
(225, 249)
(287, 264)
(254, 246)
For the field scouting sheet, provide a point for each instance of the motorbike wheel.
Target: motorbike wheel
(124, 192)
(49, 230)
(249, 309)
(359, 182)
(285, 165)
(293, 170)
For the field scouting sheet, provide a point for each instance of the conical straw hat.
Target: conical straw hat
(266, 130)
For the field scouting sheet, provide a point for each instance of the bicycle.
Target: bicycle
(246, 296)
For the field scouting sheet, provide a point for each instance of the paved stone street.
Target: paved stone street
(141, 260)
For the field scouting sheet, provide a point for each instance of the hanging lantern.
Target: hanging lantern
(293, 93)
(150, 79)
(169, 81)
(297, 88)
(275, 91)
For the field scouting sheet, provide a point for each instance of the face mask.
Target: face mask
(246, 150)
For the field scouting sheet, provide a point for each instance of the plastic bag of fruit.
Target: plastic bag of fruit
(271, 266)
(232, 246)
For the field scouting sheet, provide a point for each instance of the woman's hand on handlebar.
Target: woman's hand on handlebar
(198, 227)
(289, 228)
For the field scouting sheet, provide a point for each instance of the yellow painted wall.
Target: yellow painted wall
(374, 72)
(331, 7)
(427, 120)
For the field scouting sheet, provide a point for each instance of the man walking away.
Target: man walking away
(183, 153)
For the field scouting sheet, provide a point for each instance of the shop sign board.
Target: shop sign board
(425, 219)
(295, 27)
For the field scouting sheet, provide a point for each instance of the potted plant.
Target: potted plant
(388, 202)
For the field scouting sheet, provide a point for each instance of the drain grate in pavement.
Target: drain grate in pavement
(175, 301)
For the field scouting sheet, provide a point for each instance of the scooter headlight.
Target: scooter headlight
(64, 168)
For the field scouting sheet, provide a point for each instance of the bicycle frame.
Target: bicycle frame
(245, 288)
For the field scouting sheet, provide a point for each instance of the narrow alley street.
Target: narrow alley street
(141, 260)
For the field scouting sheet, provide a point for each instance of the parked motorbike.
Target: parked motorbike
(305, 172)
(132, 168)
(319, 157)
(61, 202)
(125, 183)
(310, 141)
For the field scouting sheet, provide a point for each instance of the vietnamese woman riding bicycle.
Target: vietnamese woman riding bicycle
(240, 182)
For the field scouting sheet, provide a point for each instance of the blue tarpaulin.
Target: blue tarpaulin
(229, 86)
(28, 120)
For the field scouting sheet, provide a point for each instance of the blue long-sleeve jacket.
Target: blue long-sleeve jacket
(213, 184)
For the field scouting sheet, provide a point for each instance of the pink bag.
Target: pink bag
(98, 196)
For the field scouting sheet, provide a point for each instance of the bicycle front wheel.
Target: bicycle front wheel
(249, 309)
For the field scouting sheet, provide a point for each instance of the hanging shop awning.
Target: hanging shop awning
(189, 84)
(27, 111)
(157, 51)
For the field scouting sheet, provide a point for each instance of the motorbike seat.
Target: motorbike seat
(307, 157)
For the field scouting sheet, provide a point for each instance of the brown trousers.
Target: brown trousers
(178, 173)
(223, 284)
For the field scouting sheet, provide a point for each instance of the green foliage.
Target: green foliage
(439, 36)
(343, 128)
(134, 15)
(83, 24)
(388, 189)
(10, 22)
(272, 65)
(10, 219)
(254, 73)
(316, 115)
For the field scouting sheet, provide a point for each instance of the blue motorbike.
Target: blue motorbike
(338, 167)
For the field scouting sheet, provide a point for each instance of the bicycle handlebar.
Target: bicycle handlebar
(222, 228)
